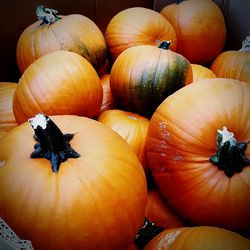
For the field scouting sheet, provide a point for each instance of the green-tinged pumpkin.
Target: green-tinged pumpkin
(133, 128)
(58, 83)
(199, 154)
(80, 187)
(73, 32)
(234, 64)
(200, 28)
(7, 118)
(144, 75)
(138, 26)
(196, 238)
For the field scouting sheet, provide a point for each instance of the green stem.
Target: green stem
(51, 144)
(46, 15)
(179, 1)
(146, 233)
(230, 156)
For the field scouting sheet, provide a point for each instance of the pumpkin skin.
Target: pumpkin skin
(131, 127)
(200, 29)
(181, 140)
(137, 26)
(7, 119)
(158, 211)
(201, 72)
(234, 64)
(107, 100)
(84, 204)
(58, 83)
(144, 75)
(73, 32)
(196, 238)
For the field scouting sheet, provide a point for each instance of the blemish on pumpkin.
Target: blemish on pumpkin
(2, 163)
(132, 117)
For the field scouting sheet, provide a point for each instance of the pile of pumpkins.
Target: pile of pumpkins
(136, 138)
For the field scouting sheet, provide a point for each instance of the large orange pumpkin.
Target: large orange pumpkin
(137, 26)
(234, 64)
(196, 238)
(200, 28)
(7, 118)
(58, 83)
(198, 151)
(91, 195)
(144, 75)
(74, 32)
(132, 127)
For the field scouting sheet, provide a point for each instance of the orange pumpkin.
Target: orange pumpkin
(196, 238)
(200, 28)
(131, 127)
(158, 211)
(52, 32)
(234, 64)
(107, 100)
(201, 72)
(144, 75)
(137, 26)
(7, 119)
(93, 185)
(58, 83)
(198, 152)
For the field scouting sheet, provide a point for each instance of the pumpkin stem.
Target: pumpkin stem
(46, 15)
(230, 155)
(164, 45)
(51, 144)
(245, 45)
(146, 233)
(179, 1)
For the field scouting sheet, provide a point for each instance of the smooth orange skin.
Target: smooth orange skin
(73, 32)
(181, 139)
(7, 118)
(84, 204)
(131, 127)
(200, 29)
(232, 64)
(138, 26)
(108, 101)
(201, 72)
(196, 238)
(158, 211)
(59, 83)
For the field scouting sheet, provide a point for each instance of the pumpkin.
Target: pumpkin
(137, 26)
(201, 72)
(158, 211)
(80, 187)
(196, 238)
(74, 32)
(131, 127)
(234, 64)
(144, 75)
(198, 152)
(7, 119)
(200, 28)
(107, 100)
(58, 83)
